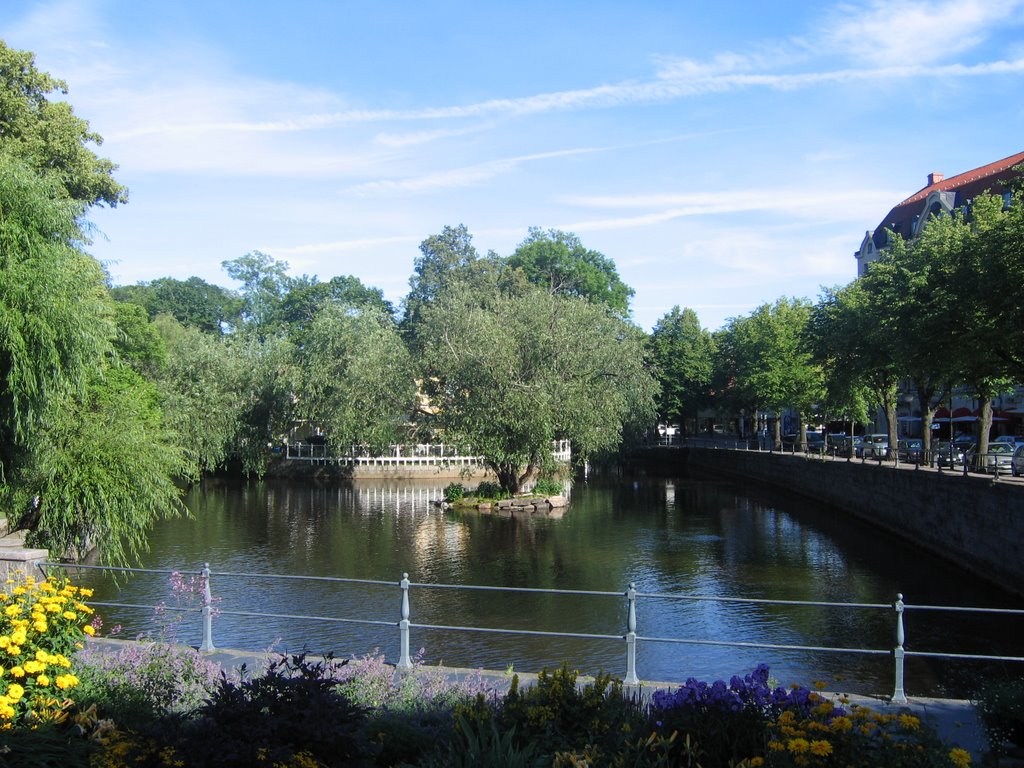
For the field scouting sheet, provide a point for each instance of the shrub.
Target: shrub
(142, 681)
(548, 486)
(454, 492)
(556, 715)
(42, 623)
(489, 490)
(1001, 706)
(293, 715)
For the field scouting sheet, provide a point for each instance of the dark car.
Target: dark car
(910, 449)
(949, 454)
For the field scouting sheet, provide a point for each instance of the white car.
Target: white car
(1017, 461)
(875, 446)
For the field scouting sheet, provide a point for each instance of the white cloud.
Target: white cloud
(891, 33)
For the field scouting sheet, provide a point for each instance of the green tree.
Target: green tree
(202, 386)
(356, 379)
(446, 259)
(55, 319)
(48, 136)
(853, 336)
(772, 360)
(683, 353)
(265, 283)
(194, 302)
(558, 262)
(512, 373)
(307, 296)
(101, 470)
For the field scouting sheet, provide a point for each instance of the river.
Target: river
(691, 534)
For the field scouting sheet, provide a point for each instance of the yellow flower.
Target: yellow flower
(15, 692)
(819, 685)
(4, 641)
(89, 629)
(756, 762)
(66, 681)
(13, 609)
(85, 592)
(14, 650)
(40, 626)
(32, 666)
(841, 724)
(17, 672)
(961, 758)
(909, 722)
(43, 680)
(6, 710)
(70, 615)
(797, 746)
(821, 748)
(776, 746)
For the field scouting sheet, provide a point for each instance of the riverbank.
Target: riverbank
(973, 520)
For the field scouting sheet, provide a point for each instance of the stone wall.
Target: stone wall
(974, 521)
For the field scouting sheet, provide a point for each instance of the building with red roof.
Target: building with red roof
(940, 195)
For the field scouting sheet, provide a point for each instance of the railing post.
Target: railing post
(404, 660)
(631, 678)
(207, 644)
(899, 696)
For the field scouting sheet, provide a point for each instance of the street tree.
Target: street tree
(852, 334)
(558, 262)
(772, 360)
(683, 354)
(511, 372)
(307, 297)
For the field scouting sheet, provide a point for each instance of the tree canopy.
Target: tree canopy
(558, 262)
(47, 135)
(513, 372)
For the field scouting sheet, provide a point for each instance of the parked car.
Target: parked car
(910, 449)
(997, 460)
(875, 446)
(815, 442)
(1017, 462)
(949, 454)
(1013, 440)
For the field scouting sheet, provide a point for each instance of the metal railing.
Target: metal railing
(420, 454)
(630, 637)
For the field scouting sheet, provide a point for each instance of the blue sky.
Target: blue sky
(722, 154)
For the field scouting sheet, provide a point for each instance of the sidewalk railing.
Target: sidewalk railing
(210, 608)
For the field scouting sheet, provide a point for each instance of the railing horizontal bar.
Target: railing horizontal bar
(759, 601)
(294, 577)
(535, 632)
(771, 646)
(69, 566)
(258, 615)
(976, 657)
(479, 587)
(150, 607)
(965, 609)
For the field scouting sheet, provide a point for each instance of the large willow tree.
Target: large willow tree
(510, 372)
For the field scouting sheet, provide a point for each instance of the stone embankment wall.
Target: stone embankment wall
(974, 521)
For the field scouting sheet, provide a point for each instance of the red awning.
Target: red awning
(942, 413)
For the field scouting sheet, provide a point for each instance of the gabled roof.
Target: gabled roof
(963, 187)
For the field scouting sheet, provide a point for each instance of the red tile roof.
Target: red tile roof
(991, 177)
(978, 174)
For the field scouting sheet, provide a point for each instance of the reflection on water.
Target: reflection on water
(692, 535)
